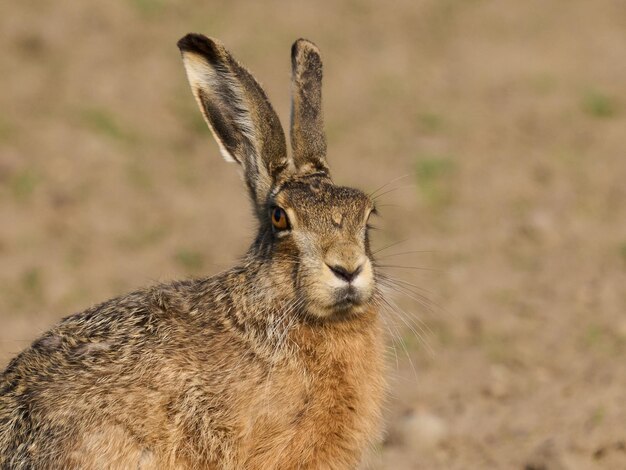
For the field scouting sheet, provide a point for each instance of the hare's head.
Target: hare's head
(312, 234)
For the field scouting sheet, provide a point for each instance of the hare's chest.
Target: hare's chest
(326, 410)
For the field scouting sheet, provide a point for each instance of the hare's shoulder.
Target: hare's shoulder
(120, 328)
(131, 364)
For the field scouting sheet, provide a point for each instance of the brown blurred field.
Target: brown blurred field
(504, 123)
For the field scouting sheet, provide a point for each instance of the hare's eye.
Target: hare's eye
(279, 219)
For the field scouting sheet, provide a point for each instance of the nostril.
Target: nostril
(343, 273)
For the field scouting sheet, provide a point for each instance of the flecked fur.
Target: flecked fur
(263, 366)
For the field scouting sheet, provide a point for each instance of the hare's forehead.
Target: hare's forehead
(317, 202)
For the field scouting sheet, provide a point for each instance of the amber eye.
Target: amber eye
(279, 219)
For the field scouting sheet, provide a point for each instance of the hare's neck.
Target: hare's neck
(261, 308)
(265, 308)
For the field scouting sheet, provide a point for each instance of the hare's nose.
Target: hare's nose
(344, 274)
(346, 261)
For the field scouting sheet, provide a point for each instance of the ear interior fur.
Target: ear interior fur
(238, 113)
(202, 77)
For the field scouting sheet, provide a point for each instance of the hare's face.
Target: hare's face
(313, 234)
(326, 239)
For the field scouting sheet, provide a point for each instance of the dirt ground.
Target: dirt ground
(500, 127)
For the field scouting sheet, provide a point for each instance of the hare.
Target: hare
(276, 363)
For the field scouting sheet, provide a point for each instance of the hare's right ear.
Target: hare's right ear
(238, 113)
(308, 140)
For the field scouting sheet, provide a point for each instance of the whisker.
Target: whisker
(409, 287)
(397, 337)
(405, 318)
(421, 300)
(388, 183)
(419, 268)
(407, 253)
(378, 206)
(391, 245)
(378, 196)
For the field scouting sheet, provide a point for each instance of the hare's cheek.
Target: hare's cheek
(311, 283)
(325, 287)
(320, 299)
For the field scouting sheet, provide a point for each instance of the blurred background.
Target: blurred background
(498, 127)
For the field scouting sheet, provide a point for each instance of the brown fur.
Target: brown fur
(308, 141)
(264, 366)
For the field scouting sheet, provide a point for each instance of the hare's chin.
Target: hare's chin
(343, 306)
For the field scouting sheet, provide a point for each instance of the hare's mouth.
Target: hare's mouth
(339, 299)
(348, 299)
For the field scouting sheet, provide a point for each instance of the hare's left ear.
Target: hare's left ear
(308, 140)
(238, 113)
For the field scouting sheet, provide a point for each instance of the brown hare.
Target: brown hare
(276, 363)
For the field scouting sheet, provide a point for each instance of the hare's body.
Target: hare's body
(167, 378)
(274, 364)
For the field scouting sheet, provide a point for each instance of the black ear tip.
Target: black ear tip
(192, 42)
(199, 44)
